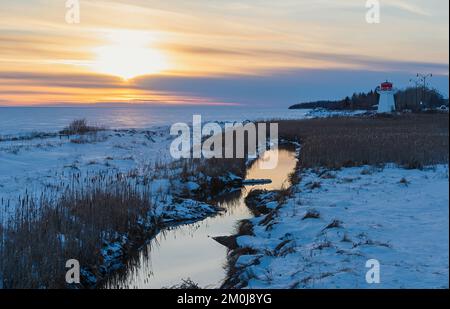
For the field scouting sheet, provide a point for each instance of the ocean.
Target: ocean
(22, 120)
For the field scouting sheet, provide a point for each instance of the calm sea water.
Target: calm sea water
(15, 120)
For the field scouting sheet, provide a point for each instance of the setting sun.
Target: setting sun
(128, 56)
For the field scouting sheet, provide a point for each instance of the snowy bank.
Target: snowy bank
(335, 221)
(326, 113)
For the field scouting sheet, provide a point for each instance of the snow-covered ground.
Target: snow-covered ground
(324, 113)
(33, 165)
(137, 138)
(46, 160)
(336, 221)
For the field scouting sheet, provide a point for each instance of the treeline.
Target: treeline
(409, 98)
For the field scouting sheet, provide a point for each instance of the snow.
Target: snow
(234, 177)
(39, 163)
(399, 217)
(192, 186)
(184, 210)
(324, 113)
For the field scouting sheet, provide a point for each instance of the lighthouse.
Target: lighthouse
(386, 103)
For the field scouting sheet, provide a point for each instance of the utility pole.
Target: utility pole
(423, 78)
(416, 84)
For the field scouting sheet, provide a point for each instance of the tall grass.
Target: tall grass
(43, 233)
(80, 126)
(410, 140)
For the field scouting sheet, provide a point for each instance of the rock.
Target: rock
(256, 181)
(227, 241)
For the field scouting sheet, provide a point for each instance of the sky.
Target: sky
(248, 52)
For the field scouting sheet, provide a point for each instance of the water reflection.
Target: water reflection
(189, 251)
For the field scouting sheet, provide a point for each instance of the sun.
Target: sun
(129, 55)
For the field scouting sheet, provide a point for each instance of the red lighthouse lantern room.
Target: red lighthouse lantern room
(386, 86)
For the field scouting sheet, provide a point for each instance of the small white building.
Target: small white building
(386, 102)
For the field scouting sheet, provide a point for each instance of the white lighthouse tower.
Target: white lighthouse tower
(386, 103)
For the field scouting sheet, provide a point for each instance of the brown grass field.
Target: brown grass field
(410, 140)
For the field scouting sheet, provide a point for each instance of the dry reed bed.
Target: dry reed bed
(43, 233)
(410, 140)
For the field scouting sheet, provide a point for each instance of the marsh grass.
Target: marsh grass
(409, 140)
(80, 126)
(44, 232)
(186, 284)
